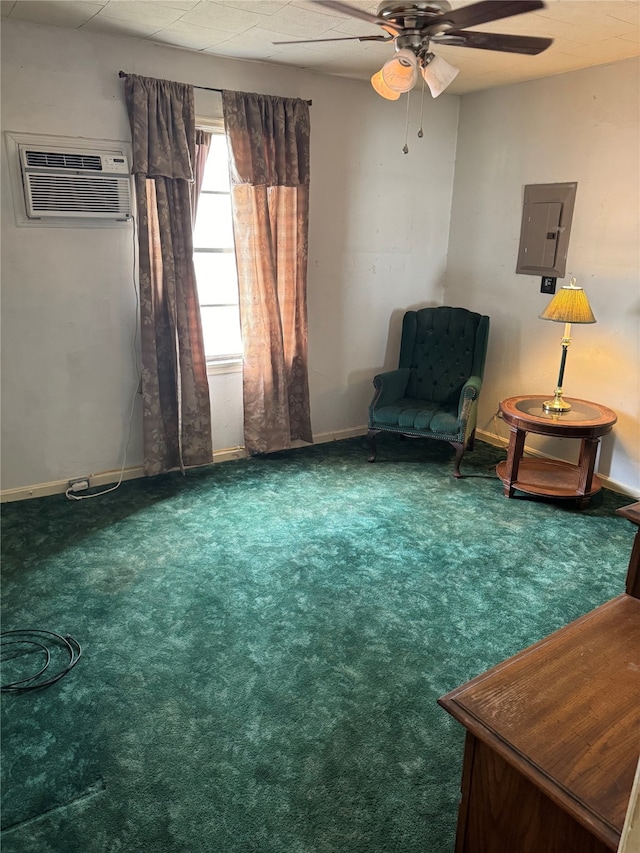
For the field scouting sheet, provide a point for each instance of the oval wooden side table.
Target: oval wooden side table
(548, 477)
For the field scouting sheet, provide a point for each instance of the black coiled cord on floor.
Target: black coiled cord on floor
(25, 638)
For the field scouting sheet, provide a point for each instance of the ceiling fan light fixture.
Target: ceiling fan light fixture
(400, 74)
(377, 81)
(438, 74)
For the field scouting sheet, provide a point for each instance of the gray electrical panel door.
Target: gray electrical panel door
(545, 230)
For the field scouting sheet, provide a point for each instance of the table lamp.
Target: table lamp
(569, 305)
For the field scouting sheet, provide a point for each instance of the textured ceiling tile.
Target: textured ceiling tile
(115, 27)
(584, 21)
(55, 14)
(355, 27)
(606, 27)
(470, 60)
(190, 36)
(148, 14)
(590, 15)
(380, 51)
(185, 5)
(265, 7)
(633, 38)
(531, 24)
(352, 55)
(585, 33)
(628, 11)
(295, 21)
(259, 36)
(558, 64)
(222, 16)
(609, 50)
(237, 51)
(361, 5)
(295, 55)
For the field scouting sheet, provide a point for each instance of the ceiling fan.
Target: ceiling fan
(414, 25)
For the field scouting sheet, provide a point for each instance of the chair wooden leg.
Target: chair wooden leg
(472, 440)
(459, 448)
(371, 438)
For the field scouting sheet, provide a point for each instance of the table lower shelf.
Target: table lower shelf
(548, 478)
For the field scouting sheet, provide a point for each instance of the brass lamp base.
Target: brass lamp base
(556, 406)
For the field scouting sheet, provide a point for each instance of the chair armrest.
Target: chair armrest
(390, 386)
(470, 391)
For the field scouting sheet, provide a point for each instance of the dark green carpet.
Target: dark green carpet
(264, 642)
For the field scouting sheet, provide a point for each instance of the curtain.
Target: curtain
(175, 392)
(203, 144)
(269, 164)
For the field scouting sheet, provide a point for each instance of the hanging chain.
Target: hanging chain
(405, 150)
(420, 133)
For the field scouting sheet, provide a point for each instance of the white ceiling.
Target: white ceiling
(585, 33)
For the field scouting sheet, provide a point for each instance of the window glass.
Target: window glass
(213, 222)
(217, 277)
(221, 330)
(214, 258)
(216, 176)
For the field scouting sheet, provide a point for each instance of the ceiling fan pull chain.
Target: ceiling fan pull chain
(405, 150)
(420, 133)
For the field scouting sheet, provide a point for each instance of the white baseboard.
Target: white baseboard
(58, 487)
(335, 435)
(108, 478)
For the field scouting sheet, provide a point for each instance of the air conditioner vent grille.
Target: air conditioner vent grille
(71, 182)
(71, 195)
(63, 160)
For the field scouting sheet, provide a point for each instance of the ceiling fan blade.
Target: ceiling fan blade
(359, 13)
(341, 38)
(487, 11)
(531, 45)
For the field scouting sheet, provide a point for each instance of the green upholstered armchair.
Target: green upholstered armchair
(434, 392)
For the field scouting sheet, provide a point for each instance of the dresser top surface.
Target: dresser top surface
(566, 710)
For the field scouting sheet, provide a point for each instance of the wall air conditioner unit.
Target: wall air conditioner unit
(70, 182)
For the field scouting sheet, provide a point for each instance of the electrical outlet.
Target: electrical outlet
(80, 484)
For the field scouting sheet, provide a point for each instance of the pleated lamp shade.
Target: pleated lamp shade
(569, 305)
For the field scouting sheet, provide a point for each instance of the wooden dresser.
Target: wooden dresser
(632, 513)
(553, 738)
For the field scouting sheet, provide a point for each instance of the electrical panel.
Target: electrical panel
(546, 226)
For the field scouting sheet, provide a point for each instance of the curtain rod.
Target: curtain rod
(205, 88)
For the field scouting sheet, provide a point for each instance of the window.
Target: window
(214, 259)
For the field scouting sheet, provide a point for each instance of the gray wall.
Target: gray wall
(378, 244)
(584, 127)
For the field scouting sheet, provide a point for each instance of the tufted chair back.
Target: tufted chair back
(442, 347)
